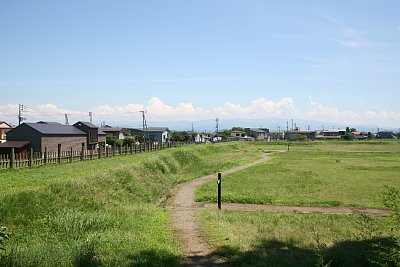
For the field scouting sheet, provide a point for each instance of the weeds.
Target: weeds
(3, 237)
(320, 251)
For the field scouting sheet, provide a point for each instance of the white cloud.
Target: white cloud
(321, 112)
(158, 110)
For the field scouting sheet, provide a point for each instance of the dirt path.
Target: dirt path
(182, 205)
(278, 208)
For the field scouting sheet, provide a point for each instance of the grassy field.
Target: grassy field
(316, 174)
(290, 239)
(104, 212)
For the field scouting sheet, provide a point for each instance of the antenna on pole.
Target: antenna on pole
(66, 119)
(21, 109)
(145, 130)
(91, 116)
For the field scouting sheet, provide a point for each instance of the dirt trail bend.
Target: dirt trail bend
(182, 206)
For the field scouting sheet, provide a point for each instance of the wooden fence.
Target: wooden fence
(33, 159)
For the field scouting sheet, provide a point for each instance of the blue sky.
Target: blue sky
(336, 61)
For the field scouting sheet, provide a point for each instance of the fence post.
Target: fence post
(12, 158)
(30, 157)
(82, 151)
(59, 153)
(71, 159)
(219, 190)
(107, 151)
(45, 155)
(99, 151)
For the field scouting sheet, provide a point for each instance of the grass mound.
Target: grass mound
(103, 212)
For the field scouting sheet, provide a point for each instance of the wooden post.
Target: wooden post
(30, 157)
(135, 148)
(59, 154)
(107, 151)
(45, 155)
(82, 151)
(71, 155)
(12, 158)
(120, 149)
(99, 152)
(131, 149)
(91, 154)
(288, 147)
(219, 190)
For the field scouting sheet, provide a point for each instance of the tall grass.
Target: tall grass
(104, 212)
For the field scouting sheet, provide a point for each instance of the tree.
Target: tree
(130, 140)
(348, 136)
(181, 136)
(236, 128)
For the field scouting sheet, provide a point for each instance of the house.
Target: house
(360, 135)
(154, 134)
(49, 135)
(257, 134)
(277, 135)
(301, 135)
(389, 135)
(238, 134)
(4, 128)
(117, 132)
(329, 135)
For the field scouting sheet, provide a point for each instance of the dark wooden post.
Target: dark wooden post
(82, 151)
(135, 148)
(99, 152)
(30, 157)
(107, 151)
(45, 155)
(71, 155)
(59, 153)
(91, 154)
(219, 190)
(12, 158)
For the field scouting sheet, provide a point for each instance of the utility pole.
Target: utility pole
(91, 116)
(66, 119)
(21, 109)
(292, 125)
(217, 124)
(192, 128)
(287, 126)
(145, 130)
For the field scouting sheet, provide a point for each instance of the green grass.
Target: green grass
(104, 212)
(290, 239)
(316, 174)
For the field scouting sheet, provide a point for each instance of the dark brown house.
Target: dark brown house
(50, 135)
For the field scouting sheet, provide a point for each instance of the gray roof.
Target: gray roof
(256, 130)
(87, 124)
(157, 129)
(55, 129)
(110, 129)
(154, 129)
(14, 144)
